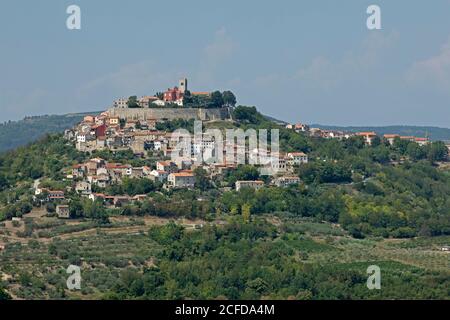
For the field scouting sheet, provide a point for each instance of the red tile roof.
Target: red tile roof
(366, 133)
(183, 174)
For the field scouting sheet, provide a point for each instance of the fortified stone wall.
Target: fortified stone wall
(161, 114)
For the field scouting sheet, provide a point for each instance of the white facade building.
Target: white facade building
(120, 103)
(297, 158)
(81, 138)
(257, 184)
(181, 180)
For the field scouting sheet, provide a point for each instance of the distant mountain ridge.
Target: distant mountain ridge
(277, 121)
(434, 133)
(14, 134)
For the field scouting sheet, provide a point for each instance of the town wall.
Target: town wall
(171, 113)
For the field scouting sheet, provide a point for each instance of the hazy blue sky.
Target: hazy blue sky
(311, 61)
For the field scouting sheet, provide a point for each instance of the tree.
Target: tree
(415, 152)
(25, 207)
(134, 186)
(248, 115)
(325, 172)
(132, 102)
(95, 210)
(50, 207)
(246, 212)
(166, 234)
(4, 295)
(216, 99)
(201, 179)
(76, 209)
(437, 151)
(3, 182)
(229, 99)
(401, 145)
(243, 172)
(380, 154)
(353, 144)
(376, 141)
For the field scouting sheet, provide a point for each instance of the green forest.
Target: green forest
(18, 133)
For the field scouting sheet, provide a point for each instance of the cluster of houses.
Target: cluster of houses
(57, 196)
(47, 195)
(178, 173)
(106, 132)
(368, 136)
(172, 174)
(102, 131)
(101, 173)
(421, 141)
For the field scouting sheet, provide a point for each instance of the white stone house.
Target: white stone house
(181, 180)
(255, 184)
(297, 158)
(83, 187)
(63, 211)
(286, 181)
(159, 175)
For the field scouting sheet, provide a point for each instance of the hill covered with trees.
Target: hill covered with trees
(399, 190)
(18, 133)
(357, 205)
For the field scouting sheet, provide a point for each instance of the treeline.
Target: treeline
(184, 203)
(215, 99)
(46, 157)
(132, 187)
(18, 133)
(172, 125)
(252, 261)
(404, 201)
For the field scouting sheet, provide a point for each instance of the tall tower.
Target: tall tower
(183, 85)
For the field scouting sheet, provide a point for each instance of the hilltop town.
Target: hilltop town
(122, 128)
(132, 125)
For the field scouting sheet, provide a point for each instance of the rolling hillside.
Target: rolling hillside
(18, 133)
(312, 240)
